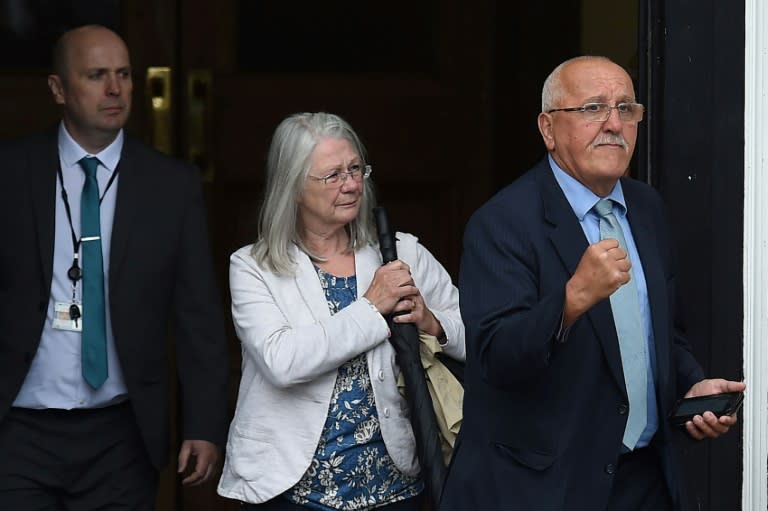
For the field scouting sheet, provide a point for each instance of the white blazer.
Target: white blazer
(292, 348)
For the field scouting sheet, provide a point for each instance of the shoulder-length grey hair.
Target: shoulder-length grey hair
(287, 168)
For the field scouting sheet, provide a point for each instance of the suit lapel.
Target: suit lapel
(128, 199)
(367, 261)
(570, 243)
(43, 160)
(308, 285)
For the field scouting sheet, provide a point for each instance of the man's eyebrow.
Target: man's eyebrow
(102, 69)
(602, 99)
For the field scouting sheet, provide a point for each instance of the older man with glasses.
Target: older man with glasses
(575, 356)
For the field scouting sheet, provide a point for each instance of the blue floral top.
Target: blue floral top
(351, 468)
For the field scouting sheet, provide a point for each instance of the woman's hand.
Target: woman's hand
(391, 282)
(416, 311)
(393, 291)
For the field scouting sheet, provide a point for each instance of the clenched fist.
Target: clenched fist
(603, 268)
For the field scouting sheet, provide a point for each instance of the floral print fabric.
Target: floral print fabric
(351, 469)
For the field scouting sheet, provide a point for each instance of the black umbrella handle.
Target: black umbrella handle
(387, 242)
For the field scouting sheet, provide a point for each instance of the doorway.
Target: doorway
(223, 75)
(444, 95)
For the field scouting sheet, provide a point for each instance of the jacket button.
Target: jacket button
(386, 412)
(610, 468)
(381, 375)
(622, 409)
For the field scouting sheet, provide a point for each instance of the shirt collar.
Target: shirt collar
(581, 198)
(70, 151)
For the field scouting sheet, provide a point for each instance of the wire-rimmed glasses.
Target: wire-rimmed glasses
(600, 112)
(357, 172)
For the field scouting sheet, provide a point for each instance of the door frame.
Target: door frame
(755, 477)
(703, 74)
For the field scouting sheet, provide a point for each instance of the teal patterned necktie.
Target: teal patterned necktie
(94, 337)
(629, 329)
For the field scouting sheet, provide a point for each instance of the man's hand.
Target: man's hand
(709, 425)
(206, 456)
(603, 268)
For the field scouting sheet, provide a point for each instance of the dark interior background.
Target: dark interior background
(444, 94)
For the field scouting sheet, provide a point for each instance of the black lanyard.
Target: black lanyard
(74, 272)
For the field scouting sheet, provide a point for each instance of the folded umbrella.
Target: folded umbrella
(404, 338)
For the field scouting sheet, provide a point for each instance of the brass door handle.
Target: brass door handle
(160, 96)
(198, 121)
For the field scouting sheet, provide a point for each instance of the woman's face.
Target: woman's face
(326, 207)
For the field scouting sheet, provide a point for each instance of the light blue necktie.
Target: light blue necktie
(94, 337)
(629, 329)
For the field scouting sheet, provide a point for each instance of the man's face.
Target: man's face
(96, 87)
(595, 153)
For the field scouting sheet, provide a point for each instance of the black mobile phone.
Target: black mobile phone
(727, 403)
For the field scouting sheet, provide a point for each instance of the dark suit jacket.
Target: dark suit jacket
(160, 273)
(544, 420)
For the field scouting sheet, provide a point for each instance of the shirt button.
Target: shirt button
(386, 412)
(381, 375)
(622, 409)
(610, 468)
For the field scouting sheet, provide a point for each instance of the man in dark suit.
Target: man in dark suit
(113, 250)
(547, 406)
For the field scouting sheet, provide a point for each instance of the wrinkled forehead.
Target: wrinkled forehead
(597, 80)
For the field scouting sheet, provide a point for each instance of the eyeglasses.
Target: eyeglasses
(600, 112)
(357, 172)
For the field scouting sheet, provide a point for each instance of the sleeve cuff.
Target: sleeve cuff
(370, 304)
(562, 333)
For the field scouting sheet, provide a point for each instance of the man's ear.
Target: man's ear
(545, 128)
(57, 88)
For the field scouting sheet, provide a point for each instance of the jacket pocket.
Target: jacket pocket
(534, 459)
(248, 451)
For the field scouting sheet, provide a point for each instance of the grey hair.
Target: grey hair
(552, 92)
(288, 165)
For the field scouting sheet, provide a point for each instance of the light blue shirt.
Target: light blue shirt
(55, 377)
(582, 200)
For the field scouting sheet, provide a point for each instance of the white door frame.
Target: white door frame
(755, 274)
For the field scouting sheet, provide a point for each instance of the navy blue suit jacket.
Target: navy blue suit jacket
(543, 419)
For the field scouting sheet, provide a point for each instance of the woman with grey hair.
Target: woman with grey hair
(320, 423)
